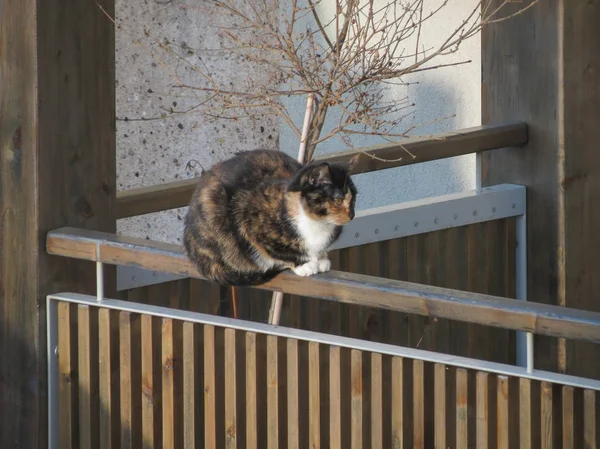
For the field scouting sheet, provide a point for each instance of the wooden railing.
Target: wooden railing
(344, 287)
(176, 194)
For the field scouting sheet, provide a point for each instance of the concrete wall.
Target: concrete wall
(156, 151)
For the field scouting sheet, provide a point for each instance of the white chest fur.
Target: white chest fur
(316, 234)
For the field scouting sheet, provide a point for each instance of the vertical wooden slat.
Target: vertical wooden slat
(546, 416)
(88, 377)
(190, 372)
(210, 410)
(67, 337)
(128, 420)
(149, 406)
(397, 405)
(292, 394)
(335, 398)
(168, 384)
(376, 401)
(568, 411)
(230, 390)
(590, 419)
(418, 405)
(481, 414)
(440, 406)
(109, 420)
(314, 397)
(356, 399)
(525, 415)
(251, 398)
(272, 393)
(502, 412)
(461, 407)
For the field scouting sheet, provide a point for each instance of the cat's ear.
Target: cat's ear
(320, 174)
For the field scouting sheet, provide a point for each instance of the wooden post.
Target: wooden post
(57, 166)
(543, 67)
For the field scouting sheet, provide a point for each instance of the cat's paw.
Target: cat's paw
(324, 265)
(307, 269)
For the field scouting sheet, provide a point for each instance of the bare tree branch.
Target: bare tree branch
(347, 58)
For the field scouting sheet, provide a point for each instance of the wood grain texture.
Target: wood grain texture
(293, 392)
(348, 288)
(461, 408)
(377, 412)
(169, 399)
(335, 398)
(150, 384)
(171, 195)
(67, 369)
(525, 414)
(192, 370)
(251, 392)
(482, 421)
(568, 418)
(397, 392)
(314, 396)
(418, 405)
(87, 330)
(272, 393)
(210, 409)
(548, 421)
(231, 419)
(108, 368)
(502, 429)
(440, 406)
(356, 398)
(130, 377)
(591, 419)
(57, 100)
(539, 67)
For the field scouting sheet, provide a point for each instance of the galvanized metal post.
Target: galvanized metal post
(53, 385)
(99, 281)
(524, 340)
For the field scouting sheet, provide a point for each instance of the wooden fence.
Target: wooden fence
(153, 372)
(478, 258)
(151, 377)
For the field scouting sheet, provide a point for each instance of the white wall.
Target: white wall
(440, 93)
(152, 152)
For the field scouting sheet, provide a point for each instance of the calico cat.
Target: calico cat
(261, 212)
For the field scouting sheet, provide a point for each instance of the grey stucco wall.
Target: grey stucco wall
(156, 151)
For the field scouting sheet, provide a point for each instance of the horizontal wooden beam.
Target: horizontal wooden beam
(146, 200)
(344, 287)
(176, 194)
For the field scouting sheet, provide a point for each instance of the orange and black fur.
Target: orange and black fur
(261, 212)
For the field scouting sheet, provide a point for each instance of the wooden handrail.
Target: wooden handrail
(176, 194)
(344, 287)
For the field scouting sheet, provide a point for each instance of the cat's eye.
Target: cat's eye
(337, 201)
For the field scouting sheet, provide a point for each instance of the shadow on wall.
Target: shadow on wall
(438, 104)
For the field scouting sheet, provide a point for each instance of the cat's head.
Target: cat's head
(327, 192)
